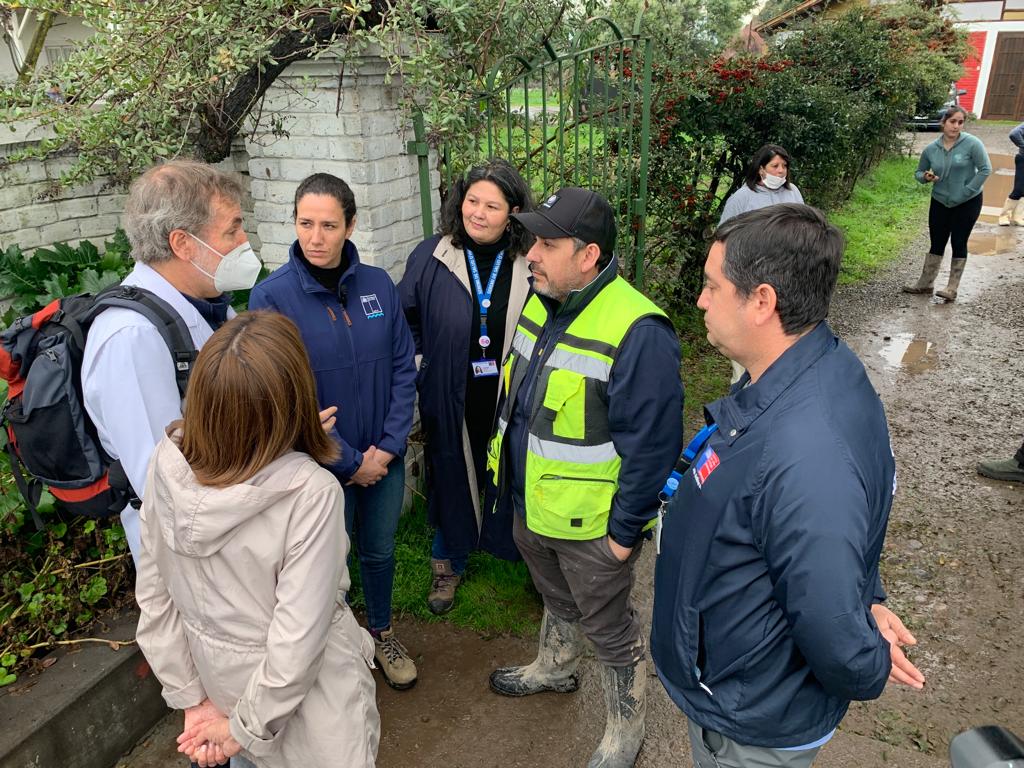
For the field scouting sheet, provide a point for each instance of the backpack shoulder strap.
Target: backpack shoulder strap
(163, 316)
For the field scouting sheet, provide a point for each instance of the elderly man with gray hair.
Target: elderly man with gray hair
(184, 222)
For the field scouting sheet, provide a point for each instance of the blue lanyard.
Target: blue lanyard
(672, 484)
(483, 297)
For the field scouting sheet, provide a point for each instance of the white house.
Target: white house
(18, 28)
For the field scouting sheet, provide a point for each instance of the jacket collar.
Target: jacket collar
(962, 137)
(307, 282)
(735, 412)
(144, 276)
(578, 299)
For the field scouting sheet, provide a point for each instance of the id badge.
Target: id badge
(482, 368)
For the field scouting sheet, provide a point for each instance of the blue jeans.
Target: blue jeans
(371, 519)
(439, 551)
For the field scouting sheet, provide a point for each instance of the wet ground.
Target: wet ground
(950, 377)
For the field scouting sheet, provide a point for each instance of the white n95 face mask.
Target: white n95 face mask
(237, 270)
(773, 182)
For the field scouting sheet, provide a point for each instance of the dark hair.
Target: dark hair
(251, 398)
(952, 111)
(326, 184)
(502, 174)
(762, 157)
(791, 247)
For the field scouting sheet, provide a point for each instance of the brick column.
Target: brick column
(364, 144)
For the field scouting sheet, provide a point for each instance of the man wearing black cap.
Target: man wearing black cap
(590, 428)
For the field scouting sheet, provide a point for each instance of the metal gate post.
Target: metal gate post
(421, 149)
(640, 205)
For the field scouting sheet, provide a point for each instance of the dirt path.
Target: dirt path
(950, 377)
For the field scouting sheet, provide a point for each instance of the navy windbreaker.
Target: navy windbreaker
(762, 627)
(367, 369)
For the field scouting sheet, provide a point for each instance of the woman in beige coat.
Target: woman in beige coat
(242, 575)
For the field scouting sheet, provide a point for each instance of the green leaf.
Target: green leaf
(8, 660)
(7, 679)
(95, 589)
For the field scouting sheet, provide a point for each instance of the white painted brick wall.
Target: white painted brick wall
(365, 144)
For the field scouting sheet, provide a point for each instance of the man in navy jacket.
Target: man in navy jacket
(767, 609)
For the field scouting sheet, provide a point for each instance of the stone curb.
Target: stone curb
(85, 711)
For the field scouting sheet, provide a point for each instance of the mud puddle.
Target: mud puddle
(909, 352)
(991, 244)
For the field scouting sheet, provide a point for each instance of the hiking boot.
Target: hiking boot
(1004, 215)
(442, 589)
(625, 697)
(1002, 469)
(554, 669)
(926, 282)
(395, 664)
(956, 271)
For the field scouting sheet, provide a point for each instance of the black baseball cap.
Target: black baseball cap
(573, 212)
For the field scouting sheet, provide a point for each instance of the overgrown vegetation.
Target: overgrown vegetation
(835, 96)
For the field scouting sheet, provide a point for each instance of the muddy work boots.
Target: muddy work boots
(926, 282)
(554, 669)
(956, 271)
(1007, 470)
(625, 696)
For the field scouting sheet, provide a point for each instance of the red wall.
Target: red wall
(972, 68)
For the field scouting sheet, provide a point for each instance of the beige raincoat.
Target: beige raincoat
(241, 591)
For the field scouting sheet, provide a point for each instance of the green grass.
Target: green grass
(883, 216)
(1011, 123)
(496, 597)
(515, 99)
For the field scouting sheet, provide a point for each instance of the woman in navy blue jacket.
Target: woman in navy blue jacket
(361, 350)
(463, 291)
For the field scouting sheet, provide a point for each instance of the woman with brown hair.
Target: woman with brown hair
(242, 577)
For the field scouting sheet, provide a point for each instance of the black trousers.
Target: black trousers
(1018, 177)
(952, 224)
(1020, 455)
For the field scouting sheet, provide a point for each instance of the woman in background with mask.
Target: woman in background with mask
(361, 350)
(766, 183)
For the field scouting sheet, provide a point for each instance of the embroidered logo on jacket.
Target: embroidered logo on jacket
(706, 464)
(371, 307)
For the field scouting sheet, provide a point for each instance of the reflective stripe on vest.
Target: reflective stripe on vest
(572, 467)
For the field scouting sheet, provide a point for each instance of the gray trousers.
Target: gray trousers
(713, 750)
(583, 581)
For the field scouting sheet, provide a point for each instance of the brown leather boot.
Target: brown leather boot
(442, 588)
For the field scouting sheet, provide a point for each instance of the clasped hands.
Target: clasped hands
(375, 461)
(206, 739)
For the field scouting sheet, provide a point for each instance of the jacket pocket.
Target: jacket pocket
(575, 507)
(565, 395)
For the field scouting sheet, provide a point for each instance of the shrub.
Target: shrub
(835, 95)
(55, 580)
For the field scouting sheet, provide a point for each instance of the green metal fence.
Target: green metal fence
(578, 118)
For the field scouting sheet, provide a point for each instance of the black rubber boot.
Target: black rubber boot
(554, 669)
(625, 696)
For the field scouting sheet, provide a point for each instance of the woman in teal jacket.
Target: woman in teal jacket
(956, 165)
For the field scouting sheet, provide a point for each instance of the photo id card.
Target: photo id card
(483, 368)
